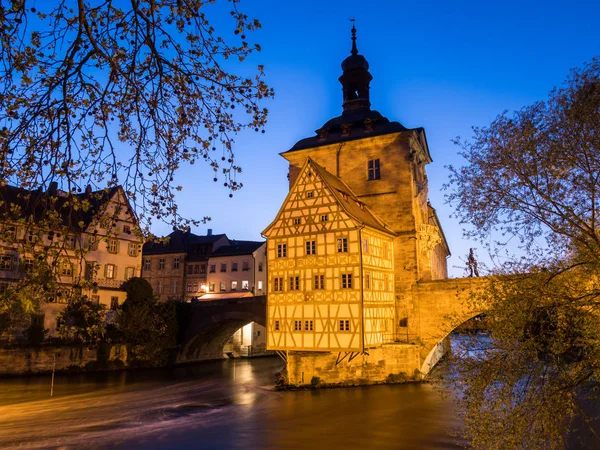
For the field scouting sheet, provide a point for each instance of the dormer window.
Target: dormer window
(373, 171)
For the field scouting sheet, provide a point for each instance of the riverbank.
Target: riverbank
(25, 361)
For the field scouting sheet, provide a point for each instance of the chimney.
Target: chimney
(88, 189)
(53, 188)
(209, 232)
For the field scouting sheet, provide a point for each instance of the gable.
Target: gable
(310, 207)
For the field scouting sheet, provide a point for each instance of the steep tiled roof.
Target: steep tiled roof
(351, 125)
(238, 248)
(179, 242)
(348, 200)
(35, 204)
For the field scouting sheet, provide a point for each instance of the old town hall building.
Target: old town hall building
(355, 231)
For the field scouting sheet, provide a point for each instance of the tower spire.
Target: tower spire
(355, 79)
(354, 50)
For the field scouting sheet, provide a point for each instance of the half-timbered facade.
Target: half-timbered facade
(330, 269)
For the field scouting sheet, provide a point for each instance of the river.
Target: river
(227, 404)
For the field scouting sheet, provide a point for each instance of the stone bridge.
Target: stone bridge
(435, 309)
(432, 310)
(205, 327)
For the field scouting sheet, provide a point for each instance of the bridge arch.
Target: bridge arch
(210, 325)
(438, 308)
(439, 348)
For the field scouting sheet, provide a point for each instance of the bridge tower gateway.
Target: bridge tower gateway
(353, 238)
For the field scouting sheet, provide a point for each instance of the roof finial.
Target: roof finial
(354, 51)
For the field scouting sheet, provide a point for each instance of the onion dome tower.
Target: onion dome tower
(355, 79)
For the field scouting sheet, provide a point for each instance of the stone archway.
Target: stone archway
(436, 351)
(211, 325)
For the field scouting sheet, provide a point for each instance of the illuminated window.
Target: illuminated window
(342, 245)
(346, 281)
(319, 282)
(245, 285)
(129, 272)
(161, 263)
(308, 325)
(211, 287)
(311, 247)
(277, 325)
(344, 325)
(282, 250)
(223, 286)
(373, 169)
(109, 271)
(234, 285)
(294, 283)
(132, 249)
(260, 285)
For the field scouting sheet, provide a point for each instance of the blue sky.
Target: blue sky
(445, 66)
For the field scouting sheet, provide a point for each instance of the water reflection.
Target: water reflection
(229, 404)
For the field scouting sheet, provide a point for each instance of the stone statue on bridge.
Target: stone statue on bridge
(472, 264)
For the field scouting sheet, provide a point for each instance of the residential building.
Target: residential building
(234, 271)
(238, 268)
(94, 248)
(177, 267)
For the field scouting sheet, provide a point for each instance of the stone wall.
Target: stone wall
(24, 361)
(375, 367)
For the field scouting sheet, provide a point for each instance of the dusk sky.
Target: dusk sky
(445, 66)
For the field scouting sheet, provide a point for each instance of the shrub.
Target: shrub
(397, 378)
